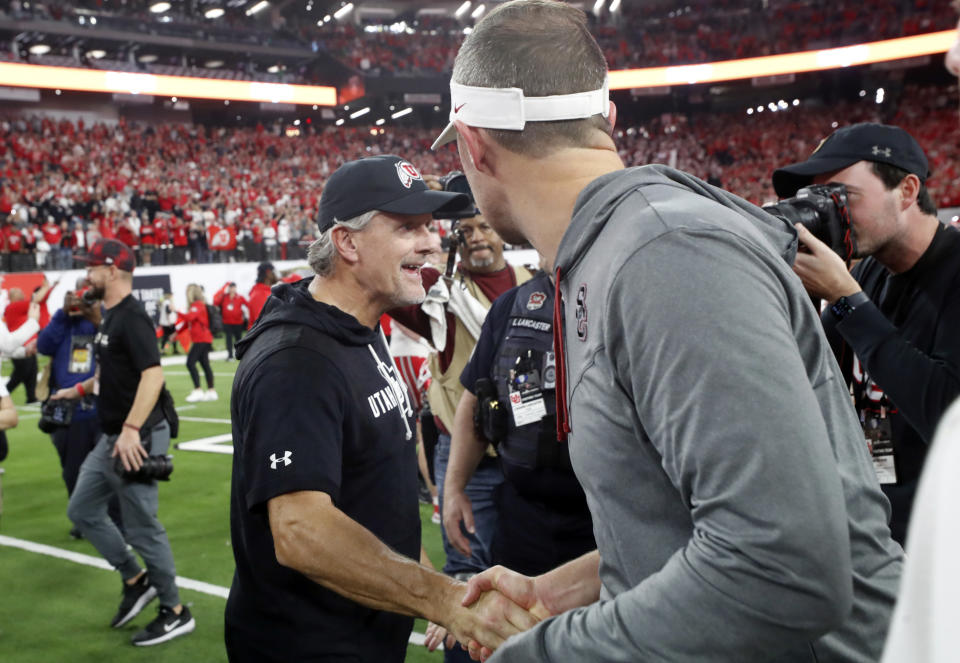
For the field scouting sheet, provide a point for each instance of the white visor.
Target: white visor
(507, 108)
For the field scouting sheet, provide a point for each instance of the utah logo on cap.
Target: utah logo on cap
(407, 173)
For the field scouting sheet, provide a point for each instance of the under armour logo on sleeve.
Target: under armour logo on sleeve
(285, 459)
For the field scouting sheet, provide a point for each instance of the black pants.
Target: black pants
(233, 333)
(25, 373)
(200, 352)
(169, 333)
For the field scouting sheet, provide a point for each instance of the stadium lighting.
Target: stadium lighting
(214, 12)
(360, 113)
(478, 12)
(173, 99)
(96, 54)
(39, 49)
(614, 6)
(462, 9)
(339, 122)
(381, 122)
(796, 102)
(93, 20)
(880, 95)
(343, 11)
(933, 43)
(213, 64)
(749, 111)
(159, 7)
(147, 58)
(273, 69)
(259, 7)
(598, 7)
(399, 114)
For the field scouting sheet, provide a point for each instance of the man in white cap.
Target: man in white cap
(736, 514)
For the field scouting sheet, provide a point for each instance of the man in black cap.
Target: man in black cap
(893, 321)
(324, 511)
(133, 408)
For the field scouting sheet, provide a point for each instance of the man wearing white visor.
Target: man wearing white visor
(735, 508)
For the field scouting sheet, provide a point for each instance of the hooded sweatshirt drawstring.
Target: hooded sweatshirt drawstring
(563, 413)
(399, 391)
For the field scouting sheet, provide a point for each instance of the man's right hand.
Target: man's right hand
(457, 508)
(69, 393)
(520, 589)
(488, 621)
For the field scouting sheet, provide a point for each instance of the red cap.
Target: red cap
(110, 252)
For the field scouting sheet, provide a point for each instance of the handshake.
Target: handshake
(497, 604)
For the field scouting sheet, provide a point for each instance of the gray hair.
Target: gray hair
(544, 48)
(322, 254)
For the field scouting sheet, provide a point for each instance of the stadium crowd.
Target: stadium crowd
(664, 32)
(193, 194)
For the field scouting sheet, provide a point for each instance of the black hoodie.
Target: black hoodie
(317, 405)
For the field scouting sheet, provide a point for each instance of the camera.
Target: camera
(456, 182)
(822, 209)
(154, 468)
(55, 414)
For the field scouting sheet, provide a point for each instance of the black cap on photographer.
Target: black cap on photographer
(384, 183)
(881, 143)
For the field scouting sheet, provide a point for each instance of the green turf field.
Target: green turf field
(54, 611)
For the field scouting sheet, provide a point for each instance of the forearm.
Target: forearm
(466, 447)
(13, 340)
(8, 414)
(919, 385)
(573, 585)
(338, 553)
(151, 382)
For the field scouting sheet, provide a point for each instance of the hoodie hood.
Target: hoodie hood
(293, 303)
(601, 197)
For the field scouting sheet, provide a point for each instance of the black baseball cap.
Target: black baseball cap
(866, 141)
(109, 252)
(385, 183)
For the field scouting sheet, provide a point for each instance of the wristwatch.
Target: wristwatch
(846, 305)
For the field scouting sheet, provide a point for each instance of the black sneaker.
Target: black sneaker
(135, 599)
(167, 626)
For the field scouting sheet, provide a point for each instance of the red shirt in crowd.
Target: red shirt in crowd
(52, 234)
(230, 307)
(258, 296)
(197, 322)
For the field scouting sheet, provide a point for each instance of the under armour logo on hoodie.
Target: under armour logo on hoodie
(285, 459)
(582, 312)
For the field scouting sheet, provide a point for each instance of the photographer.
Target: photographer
(893, 321)
(68, 341)
(136, 414)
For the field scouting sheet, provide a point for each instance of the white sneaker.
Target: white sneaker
(211, 395)
(195, 396)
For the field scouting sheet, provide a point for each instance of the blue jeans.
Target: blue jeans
(481, 490)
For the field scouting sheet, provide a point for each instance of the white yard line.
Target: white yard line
(99, 563)
(209, 444)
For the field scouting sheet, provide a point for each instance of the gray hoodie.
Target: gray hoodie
(735, 507)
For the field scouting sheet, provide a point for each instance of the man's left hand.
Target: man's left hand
(822, 271)
(129, 449)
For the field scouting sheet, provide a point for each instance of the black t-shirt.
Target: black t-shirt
(311, 412)
(901, 353)
(126, 345)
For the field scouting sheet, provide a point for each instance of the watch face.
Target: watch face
(841, 308)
